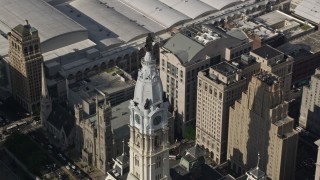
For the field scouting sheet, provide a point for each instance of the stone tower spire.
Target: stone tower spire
(44, 88)
(45, 100)
(258, 161)
(104, 147)
(149, 147)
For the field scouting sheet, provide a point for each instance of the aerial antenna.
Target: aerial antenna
(258, 160)
(149, 41)
(122, 146)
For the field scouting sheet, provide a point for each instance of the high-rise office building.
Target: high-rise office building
(258, 123)
(184, 55)
(310, 105)
(317, 175)
(149, 145)
(25, 61)
(218, 88)
(276, 62)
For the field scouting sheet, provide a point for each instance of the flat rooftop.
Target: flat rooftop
(225, 68)
(224, 73)
(273, 24)
(109, 82)
(207, 33)
(309, 42)
(267, 52)
(267, 78)
(285, 132)
(282, 22)
(244, 61)
(251, 27)
(190, 41)
(120, 120)
(274, 17)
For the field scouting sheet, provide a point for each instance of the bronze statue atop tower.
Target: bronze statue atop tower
(149, 41)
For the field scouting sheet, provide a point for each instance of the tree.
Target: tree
(190, 133)
(36, 109)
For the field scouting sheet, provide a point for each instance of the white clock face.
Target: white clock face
(137, 118)
(157, 120)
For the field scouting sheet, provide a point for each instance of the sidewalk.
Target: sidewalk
(6, 173)
(12, 167)
(94, 174)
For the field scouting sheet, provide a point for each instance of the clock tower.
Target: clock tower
(149, 145)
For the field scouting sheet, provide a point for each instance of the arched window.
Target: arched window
(157, 142)
(138, 140)
(102, 158)
(25, 50)
(158, 162)
(136, 161)
(31, 49)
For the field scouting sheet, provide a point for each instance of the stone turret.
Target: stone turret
(45, 100)
(149, 152)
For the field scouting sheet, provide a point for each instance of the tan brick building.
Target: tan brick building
(25, 61)
(259, 123)
(310, 105)
(218, 88)
(276, 62)
(317, 175)
(182, 57)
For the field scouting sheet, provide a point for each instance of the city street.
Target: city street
(12, 110)
(5, 172)
(306, 158)
(10, 169)
(14, 118)
(67, 166)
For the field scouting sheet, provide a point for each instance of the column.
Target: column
(151, 143)
(132, 137)
(317, 174)
(146, 144)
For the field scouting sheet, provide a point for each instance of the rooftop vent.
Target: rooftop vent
(207, 37)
